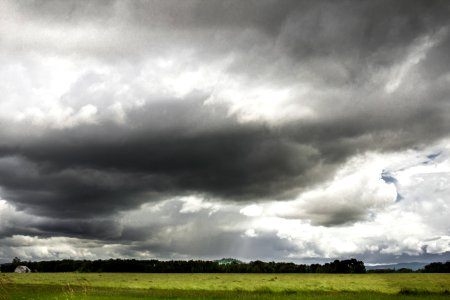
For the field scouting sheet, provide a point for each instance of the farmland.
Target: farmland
(224, 286)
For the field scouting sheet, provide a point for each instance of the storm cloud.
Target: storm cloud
(296, 107)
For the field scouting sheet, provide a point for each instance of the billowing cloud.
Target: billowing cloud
(300, 122)
(357, 192)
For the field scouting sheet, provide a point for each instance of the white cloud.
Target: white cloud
(251, 233)
(400, 71)
(253, 210)
(384, 226)
(417, 53)
(193, 204)
(356, 192)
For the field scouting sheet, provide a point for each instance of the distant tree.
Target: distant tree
(381, 271)
(404, 270)
(16, 261)
(437, 267)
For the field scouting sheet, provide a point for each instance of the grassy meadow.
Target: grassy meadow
(223, 286)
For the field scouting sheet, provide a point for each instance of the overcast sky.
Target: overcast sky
(277, 130)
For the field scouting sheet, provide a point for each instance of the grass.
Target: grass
(3, 288)
(115, 286)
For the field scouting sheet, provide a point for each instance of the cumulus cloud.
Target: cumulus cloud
(384, 229)
(356, 192)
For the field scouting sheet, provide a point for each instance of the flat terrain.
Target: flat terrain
(223, 286)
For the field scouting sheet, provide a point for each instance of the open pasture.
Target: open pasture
(224, 286)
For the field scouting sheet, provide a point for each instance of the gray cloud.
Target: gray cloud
(372, 74)
(176, 147)
(182, 147)
(204, 235)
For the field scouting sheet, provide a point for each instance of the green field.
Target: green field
(223, 286)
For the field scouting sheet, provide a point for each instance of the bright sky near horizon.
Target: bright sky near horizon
(277, 130)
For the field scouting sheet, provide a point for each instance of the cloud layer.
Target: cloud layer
(267, 115)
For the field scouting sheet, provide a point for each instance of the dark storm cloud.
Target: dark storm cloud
(65, 192)
(345, 54)
(191, 13)
(170, 148)
(183, 146)
(18, 227)
(358, 35)
(28, 225)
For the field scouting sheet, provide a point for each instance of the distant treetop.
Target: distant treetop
(226, 261)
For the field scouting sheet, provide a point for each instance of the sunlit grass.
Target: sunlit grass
(3, 290)
(225, 286)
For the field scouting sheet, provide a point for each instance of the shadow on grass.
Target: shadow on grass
(412, 291)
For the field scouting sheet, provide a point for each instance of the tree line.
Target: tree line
(205, 266)
(182, 266)
(435, 267)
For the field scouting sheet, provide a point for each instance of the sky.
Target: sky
(302, 131)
